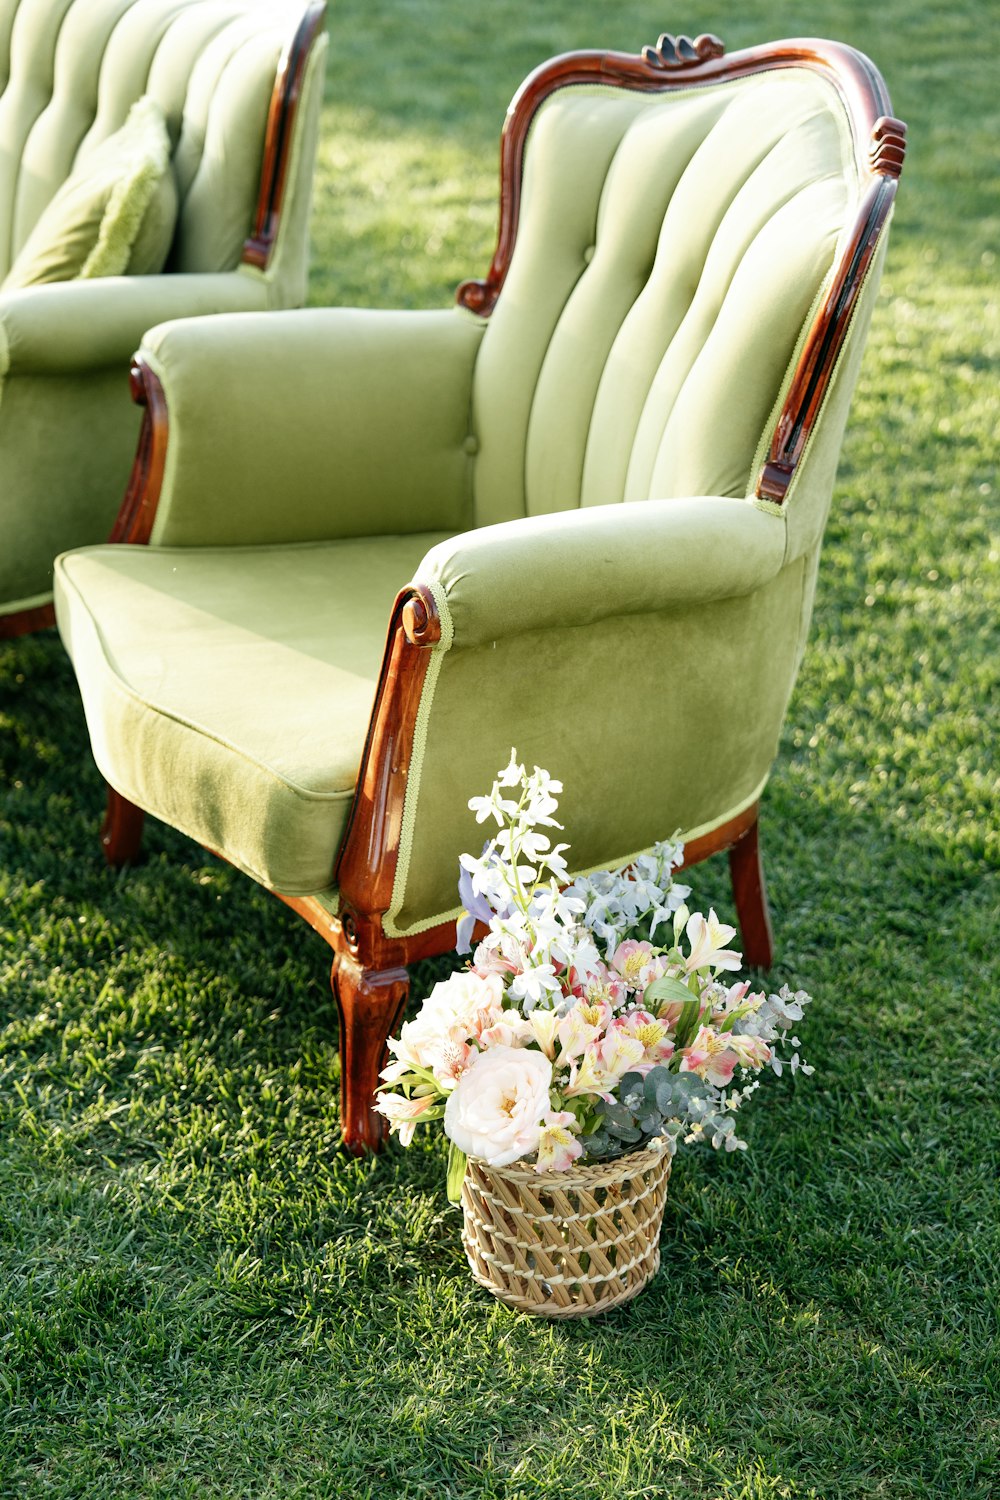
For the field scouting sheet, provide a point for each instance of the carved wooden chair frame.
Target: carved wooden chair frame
(258, 247)
(369, 973)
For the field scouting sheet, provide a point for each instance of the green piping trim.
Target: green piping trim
(617, 864)
(416, 767)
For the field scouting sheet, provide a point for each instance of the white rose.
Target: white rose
(498, 1104)
(462, 1005)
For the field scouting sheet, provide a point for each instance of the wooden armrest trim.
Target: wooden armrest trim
(138, 509)
(278, 136)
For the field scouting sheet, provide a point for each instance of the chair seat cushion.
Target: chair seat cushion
(229, 690)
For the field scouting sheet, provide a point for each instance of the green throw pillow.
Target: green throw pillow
(115, 213)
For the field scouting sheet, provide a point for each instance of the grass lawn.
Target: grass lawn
(200, 1296)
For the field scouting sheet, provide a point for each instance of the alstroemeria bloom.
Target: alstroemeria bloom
(604, 1063)
(752, 1051)
(707, 939)
(495, 1111)
(651, 1032)
(636, 963)
(510, 1029)
(598, 985)
(582, 1024)
(403, 1114)
(710, 1056)
(544, 1025)
(558, 1147)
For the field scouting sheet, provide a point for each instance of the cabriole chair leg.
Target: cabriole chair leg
(750, 894)
(370, 1002)
(121, 831)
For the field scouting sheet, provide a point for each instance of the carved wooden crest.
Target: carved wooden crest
(681, 52)
(888, 146)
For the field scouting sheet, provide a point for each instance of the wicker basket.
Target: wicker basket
(566, 1244)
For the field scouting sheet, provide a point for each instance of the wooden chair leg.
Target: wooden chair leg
(121, 831)
(370, 1002)
(750, 894)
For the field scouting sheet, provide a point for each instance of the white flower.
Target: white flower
(403, 1114)
(513, 775)
(455, 1013)
(461, 1005)
(533, 984)
(707, 939)
(497, 1107)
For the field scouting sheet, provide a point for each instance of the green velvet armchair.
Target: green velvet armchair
(367, 552)
(240, 85)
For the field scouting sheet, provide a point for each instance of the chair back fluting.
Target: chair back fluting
(70, 71)
(670, 250)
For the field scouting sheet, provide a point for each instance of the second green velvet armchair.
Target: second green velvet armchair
(240, 85)
(587, 506)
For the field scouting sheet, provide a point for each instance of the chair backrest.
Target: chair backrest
(670, 227)
(71, 69)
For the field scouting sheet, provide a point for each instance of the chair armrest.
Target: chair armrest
(578, 567)
(72, 326)
(311, 425)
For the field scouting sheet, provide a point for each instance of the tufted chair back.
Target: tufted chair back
(669, 252)
(71, 69)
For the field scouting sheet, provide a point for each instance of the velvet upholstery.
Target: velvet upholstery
(92, 224)
(70, 71)
(613, 598)
(297, 632)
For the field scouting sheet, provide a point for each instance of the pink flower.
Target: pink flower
(651, 1032)
(751, 1051)
(510, 1029)
(598, 985)
(582, 1024)
(558, 1147)
(454, 1014)
(402, 1114)
(636, 963)
(604, 1063)
(711, 1057)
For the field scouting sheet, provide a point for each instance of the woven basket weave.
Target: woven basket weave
(566, 1244)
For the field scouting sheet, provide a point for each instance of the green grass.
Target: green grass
(200, 1296)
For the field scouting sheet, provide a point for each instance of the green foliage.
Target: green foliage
(201, 1296)
(660, 1104)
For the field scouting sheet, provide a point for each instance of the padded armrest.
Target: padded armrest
(581, 566)
(74, 326)
(314, 425)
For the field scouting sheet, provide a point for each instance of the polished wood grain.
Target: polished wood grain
(370, 1003)
(879, 141)
(27, 621)
(121, 831)
(134, 522)
(278, 136)
(750, 894)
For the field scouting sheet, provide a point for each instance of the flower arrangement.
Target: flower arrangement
(593, 1017)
